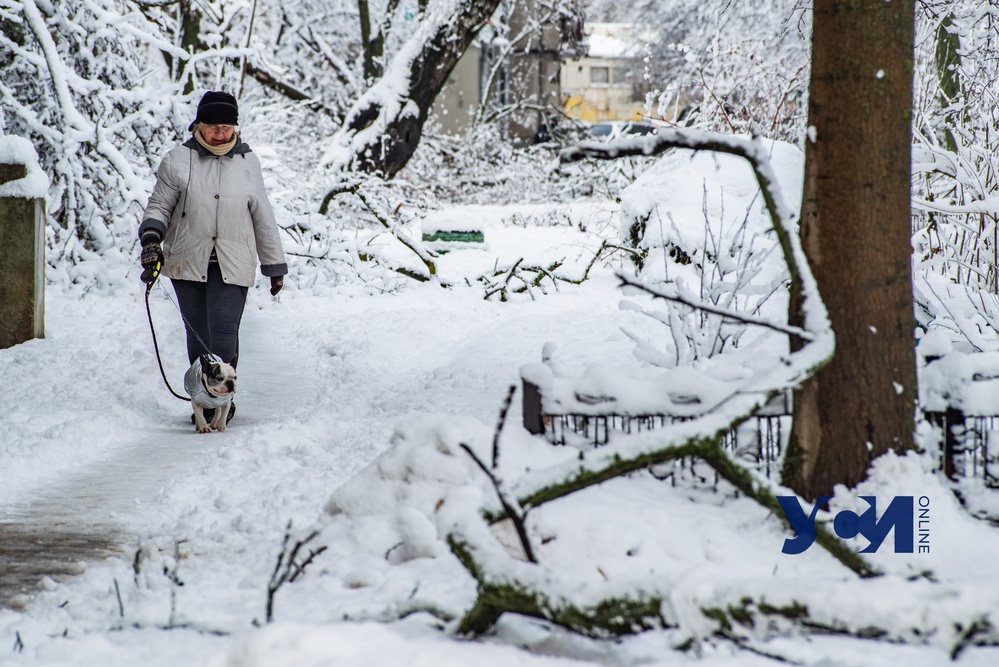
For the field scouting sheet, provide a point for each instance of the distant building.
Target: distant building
(608, 83)
(458, 102)
(524, 77)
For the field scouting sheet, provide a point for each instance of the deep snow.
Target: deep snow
(352, 405)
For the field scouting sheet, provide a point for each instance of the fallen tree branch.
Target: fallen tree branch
(341, 188)
(516, 272)
(708, 448)
(610, 618)
(424, 256)
(700, 437)
(737, 614)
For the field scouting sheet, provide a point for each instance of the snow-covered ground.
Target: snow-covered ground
(352, 405)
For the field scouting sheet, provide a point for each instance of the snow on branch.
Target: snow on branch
(383, 128)
(506, 585)
(751, 394)
(713, 309)
(755, 152)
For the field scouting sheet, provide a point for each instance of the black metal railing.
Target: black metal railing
(760, 439)
(967, 449)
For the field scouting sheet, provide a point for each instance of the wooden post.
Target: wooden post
(531, 397)
(22, 261)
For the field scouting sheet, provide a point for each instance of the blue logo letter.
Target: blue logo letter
(898, 515)
(803, 525)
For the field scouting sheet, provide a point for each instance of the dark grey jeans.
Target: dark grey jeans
(212, 311)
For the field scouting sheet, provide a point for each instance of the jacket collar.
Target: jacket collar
(240, 148)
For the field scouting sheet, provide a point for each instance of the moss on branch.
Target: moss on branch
(611, 617)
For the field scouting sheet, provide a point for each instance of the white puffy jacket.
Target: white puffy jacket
(203, 202)
(194, 383)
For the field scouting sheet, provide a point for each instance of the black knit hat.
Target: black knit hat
(216, 108)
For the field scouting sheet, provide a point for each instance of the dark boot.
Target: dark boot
(210, 414)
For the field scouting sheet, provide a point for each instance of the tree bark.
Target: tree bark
(367, 55)
(947, 56)
(190, 37)
(382, 130)
(856, 231)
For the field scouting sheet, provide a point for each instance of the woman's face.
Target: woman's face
(216, 135)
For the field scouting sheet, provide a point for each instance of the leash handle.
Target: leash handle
(150, 275)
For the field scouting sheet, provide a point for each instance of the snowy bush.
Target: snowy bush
(955, 172)
(74, 82)
(954, 159)
(726, 256)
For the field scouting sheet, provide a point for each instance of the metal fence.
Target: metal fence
(969, 449)
(758, 441)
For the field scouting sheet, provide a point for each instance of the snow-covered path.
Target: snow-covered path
(112, 458)
(97, 458)
(95, 506)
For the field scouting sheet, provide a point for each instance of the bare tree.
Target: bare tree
(855, 228)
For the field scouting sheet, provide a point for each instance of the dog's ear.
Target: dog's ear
(206, 364)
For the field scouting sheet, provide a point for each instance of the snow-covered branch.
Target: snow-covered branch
(711, 308)
(75, 85)
(383, 128)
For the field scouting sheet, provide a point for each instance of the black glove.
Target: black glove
(277, 282)
(152, 255)
(152, 252)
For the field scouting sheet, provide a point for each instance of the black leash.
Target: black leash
(149, 277)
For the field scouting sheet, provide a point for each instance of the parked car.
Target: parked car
(617, 128)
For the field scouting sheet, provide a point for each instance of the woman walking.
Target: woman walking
(210, 223)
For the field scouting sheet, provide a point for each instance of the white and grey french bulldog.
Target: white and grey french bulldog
(211, 384)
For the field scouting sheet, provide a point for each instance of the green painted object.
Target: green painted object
(455, 236)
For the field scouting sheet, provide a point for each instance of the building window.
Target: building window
(600, 75)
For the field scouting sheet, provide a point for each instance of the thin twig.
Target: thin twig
(509, 506)
(117, 594)
(175, 580)
(420, 252)
(715, 310)
(288, 568)
(500, 423)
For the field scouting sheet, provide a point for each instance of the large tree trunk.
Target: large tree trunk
(856, 231)
(383, 129)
